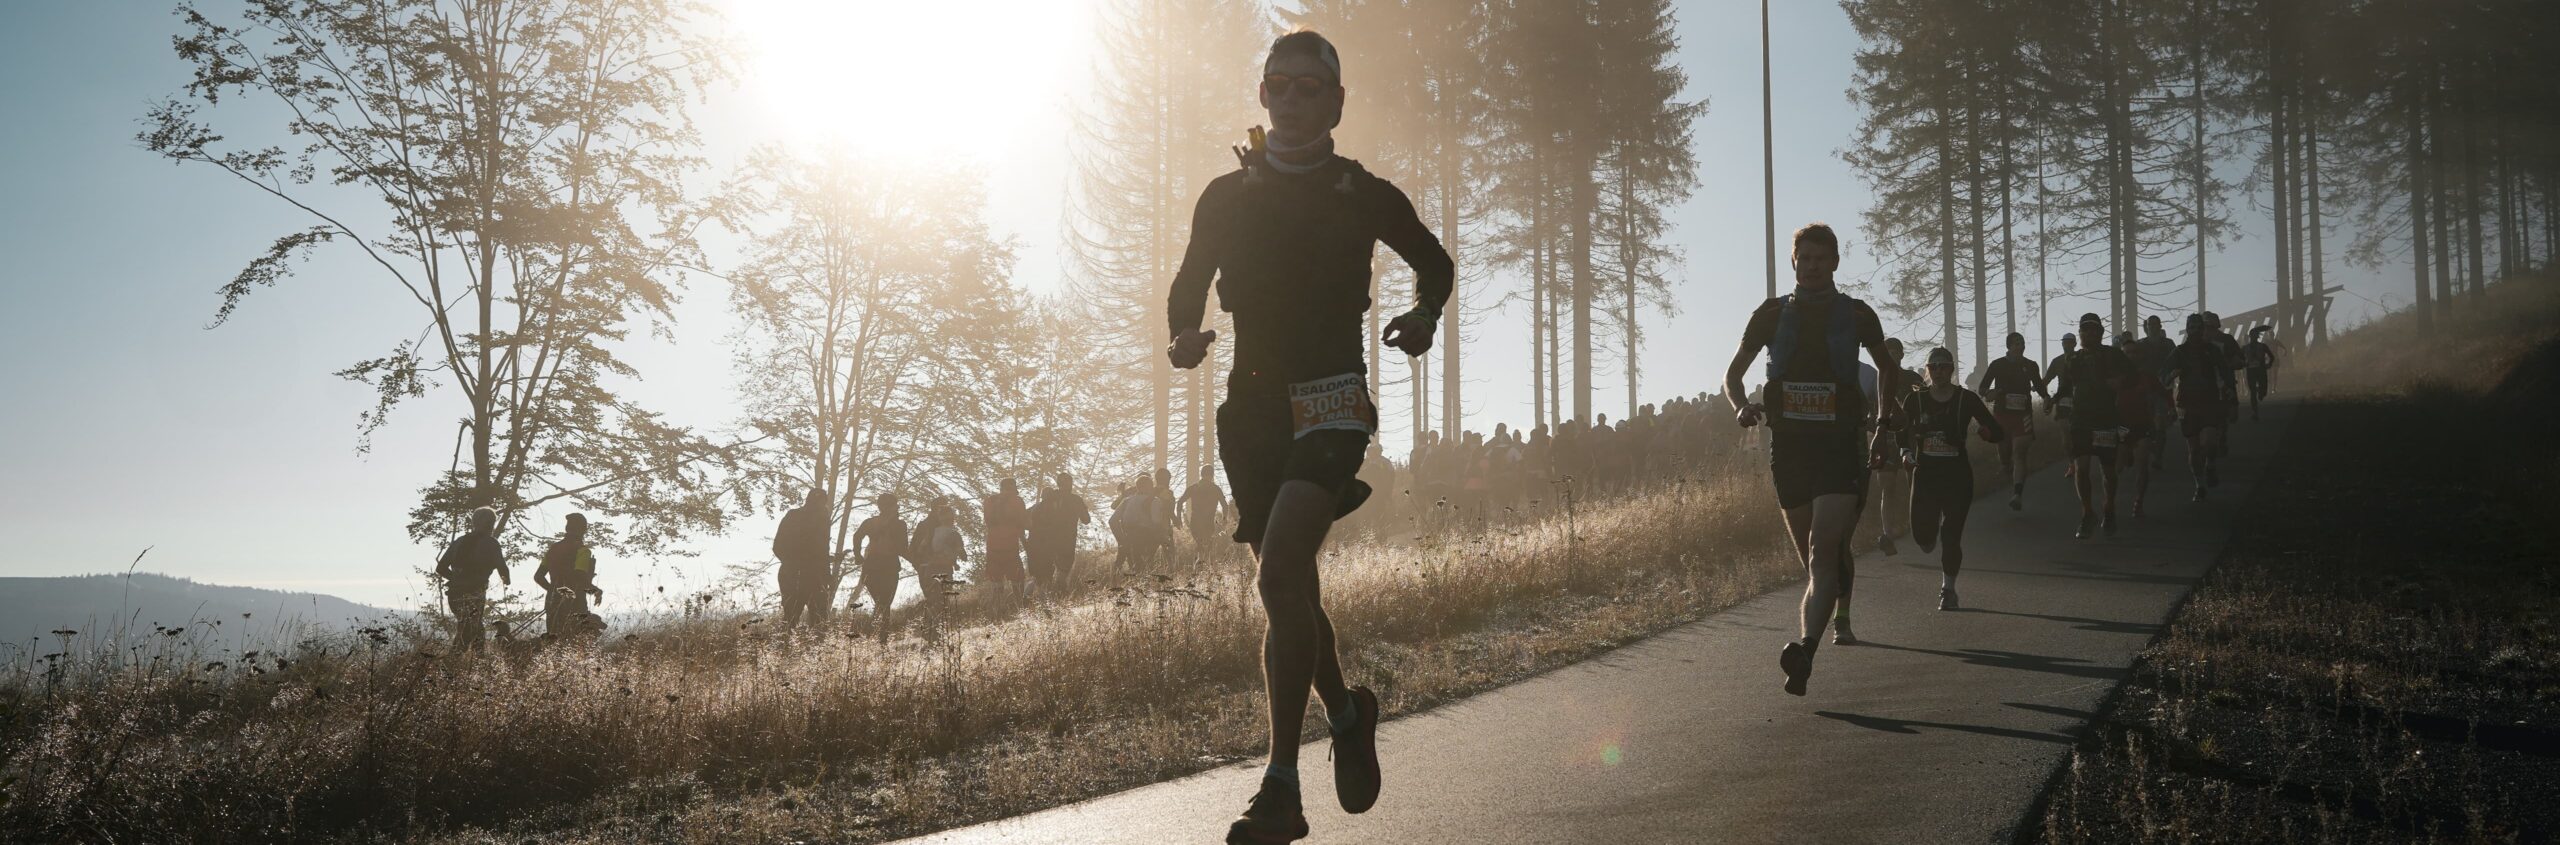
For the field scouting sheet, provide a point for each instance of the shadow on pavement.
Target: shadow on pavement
(2079, 622)
(2014, 660)
(1912, 726)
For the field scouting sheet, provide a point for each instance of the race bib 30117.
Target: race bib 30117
(1810, 401)
(1334, 403)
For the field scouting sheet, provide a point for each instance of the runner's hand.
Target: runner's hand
(1410, 333)
(1749, 415)
(1189, 349)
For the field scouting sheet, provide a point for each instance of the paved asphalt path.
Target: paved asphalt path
(1942, 727)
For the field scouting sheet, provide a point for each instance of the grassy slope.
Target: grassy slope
(2377, 657)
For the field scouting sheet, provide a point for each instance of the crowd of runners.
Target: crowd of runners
(1838, 426)
(1286, 239)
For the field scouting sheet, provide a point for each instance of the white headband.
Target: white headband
(1325, 54)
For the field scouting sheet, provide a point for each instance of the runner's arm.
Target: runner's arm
(1909, 436)
(1755, 336)
(1189, 300)
(1434, 274)
(444, 562)
(1981, 414)
(1888, 365)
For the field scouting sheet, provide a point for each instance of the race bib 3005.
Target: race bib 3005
(2016, 402)
(1336, 403)
(1810, 401)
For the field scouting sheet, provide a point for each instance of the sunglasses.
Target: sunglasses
(1278, 85)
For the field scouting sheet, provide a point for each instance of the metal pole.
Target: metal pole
(1768, 153)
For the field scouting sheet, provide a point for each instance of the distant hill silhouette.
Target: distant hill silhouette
(94, 605)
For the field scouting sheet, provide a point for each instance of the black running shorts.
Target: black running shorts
(2084, 445)
(1817, 460)
(1258, 447)
(2198, 414)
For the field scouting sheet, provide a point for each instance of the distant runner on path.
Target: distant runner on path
(2197, 370)
(1942, 485)
(1288, 237)
(2260, 359)
(2011, 385)
(2091, 380)
(1813, 407)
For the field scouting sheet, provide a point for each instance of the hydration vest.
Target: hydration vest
(1841, 336)
(1947, 419)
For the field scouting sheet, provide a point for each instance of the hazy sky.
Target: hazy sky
(232, 452)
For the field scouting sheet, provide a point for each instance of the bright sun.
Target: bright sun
(942, 78)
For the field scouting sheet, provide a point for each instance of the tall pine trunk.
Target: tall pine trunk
(2319, 283)
(2472, 187)
(2418, 195)
(1452, 329)
(1981, 273)
(1947, 226)
(1585, 202)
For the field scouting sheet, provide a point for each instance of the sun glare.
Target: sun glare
(946, 78)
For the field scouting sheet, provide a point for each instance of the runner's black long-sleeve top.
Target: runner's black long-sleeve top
(1290, 254)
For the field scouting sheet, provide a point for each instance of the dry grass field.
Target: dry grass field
(725, 730)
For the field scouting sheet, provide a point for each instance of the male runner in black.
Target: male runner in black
(1942, 484)
(2153, 353)
(877, 546)
(2092, 377)
(2059, 407)
(2259, 358)
(2230, 363)
(1814, 408)
(1288, 237)
(2008, 383)
(465, 567)
(2197, 370)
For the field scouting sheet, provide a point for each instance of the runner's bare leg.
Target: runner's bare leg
(1298, 647)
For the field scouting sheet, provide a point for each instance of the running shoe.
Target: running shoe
(1355, 755)
(1884, 543)
(2088, 528)
(1840, 633)
(1274, 817)
(2199, 492)
(1796, 660)
(1946, 598)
